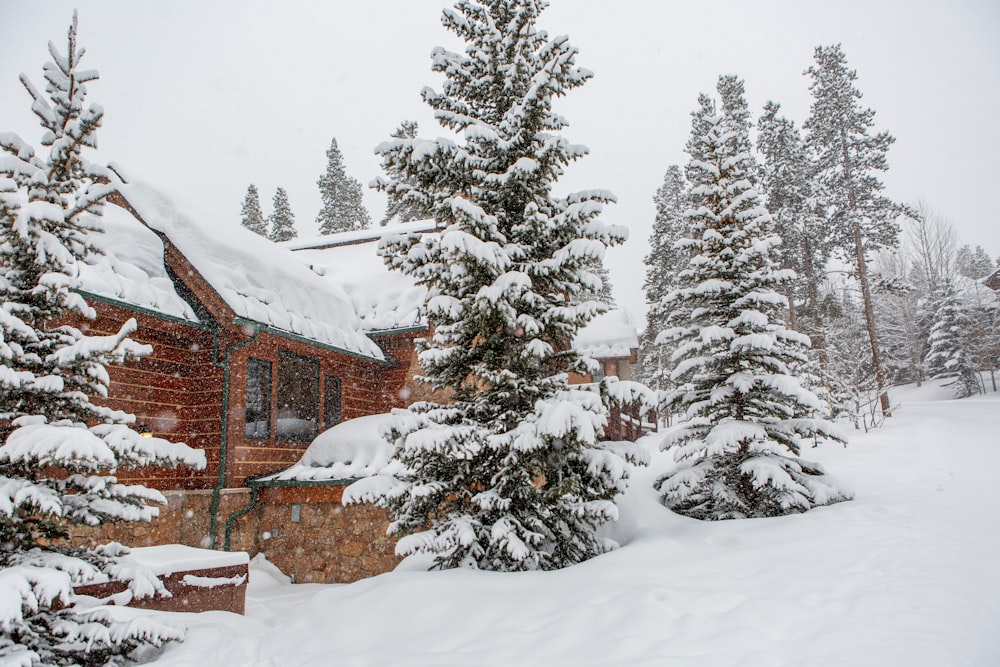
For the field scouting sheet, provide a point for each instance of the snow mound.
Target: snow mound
(350, 450)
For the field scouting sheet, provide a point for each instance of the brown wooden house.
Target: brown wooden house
(253, 354)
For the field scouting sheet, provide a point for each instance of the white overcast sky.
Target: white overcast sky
(203, 98)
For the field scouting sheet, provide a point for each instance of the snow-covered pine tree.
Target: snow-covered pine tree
(787, 181)
(974, 264)
(743, 414)
(405, 202)
(663, 263)
(60, 451)
(848, 158)
(952, 352)
(251, 216)
(282, 219)
(511, 473)
(342, 207)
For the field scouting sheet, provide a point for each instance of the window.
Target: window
(298, 397)
(331, 401)
(258, 410)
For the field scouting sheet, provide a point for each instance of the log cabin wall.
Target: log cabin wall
(365, 387)
(175, 392)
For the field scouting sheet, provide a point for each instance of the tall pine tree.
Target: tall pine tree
(511, 474)
(282, 219)
(60, 451)
(251, 216)
(663, 264)
(743, 413)
(405, 202)
(788, 181)
(342, 208)
(849, 158)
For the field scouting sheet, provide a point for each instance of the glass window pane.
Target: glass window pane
(331, 401)
(258, 408)
(298, 397)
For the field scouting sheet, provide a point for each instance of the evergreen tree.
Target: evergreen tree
(252, 217)
(60, 451)
(787, 180)
(405, 201)
(603, 291)
(282, 219)
(663, 263)
(952, 348)
(510, 474)
(848, 158)
(744, 414)
(342, 208)
(974, 264)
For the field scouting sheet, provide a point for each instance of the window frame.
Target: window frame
(317, 365)
(268, 393)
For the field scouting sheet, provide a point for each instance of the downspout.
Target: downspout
(254, 499)
(224, 436)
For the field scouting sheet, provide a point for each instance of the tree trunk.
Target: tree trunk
(866, 295)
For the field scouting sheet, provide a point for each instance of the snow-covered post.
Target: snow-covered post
(511, 474)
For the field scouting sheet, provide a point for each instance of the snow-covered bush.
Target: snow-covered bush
(60, 451)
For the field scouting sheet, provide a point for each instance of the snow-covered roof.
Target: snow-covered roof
(609, 335)
(350, 450)
(259, 280)
(383, 299)
(131, 269)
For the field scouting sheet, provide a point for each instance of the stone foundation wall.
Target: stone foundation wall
(321, 541)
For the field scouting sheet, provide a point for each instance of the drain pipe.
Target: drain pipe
(254, 500)
(224, 436)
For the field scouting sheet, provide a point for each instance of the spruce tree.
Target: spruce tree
(788, 182)
(252, 217)
(663, 263)
(61, 451)
(743, 415)
(849, 157)
(282, 219)
(342, 208)
(974, 264)
(405, 202)
(510, 474)
(952, 352)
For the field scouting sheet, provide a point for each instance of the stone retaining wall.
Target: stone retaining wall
(306, 531)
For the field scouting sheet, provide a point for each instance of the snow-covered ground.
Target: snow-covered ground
(908, 573)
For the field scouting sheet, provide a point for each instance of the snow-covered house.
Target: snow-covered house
(612, 341)
(993, 281)
(253, 355)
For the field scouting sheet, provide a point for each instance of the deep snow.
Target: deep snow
(905, 574)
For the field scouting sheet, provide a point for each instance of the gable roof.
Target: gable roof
(257, 281)
(132, 270)
(383, 299)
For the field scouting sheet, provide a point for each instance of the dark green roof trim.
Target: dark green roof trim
(375, 333)
(258, 482)
(90, 296)
(242, 321)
